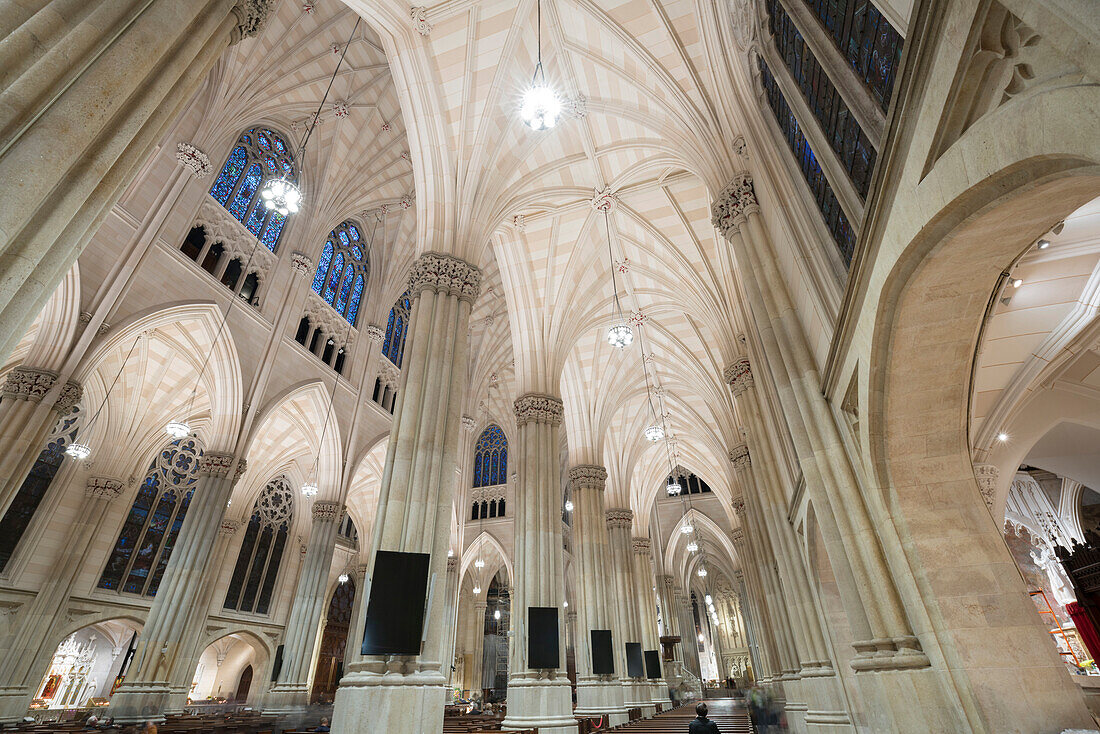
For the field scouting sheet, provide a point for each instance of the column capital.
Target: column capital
(738, 503)
(737, 535)
(103, 488)
(571, 617)
(251, 16)
(469, 423)
(27, 383)
(375, 333)
(667, 580)
(219, 464)
(301, 265)
(738, 375)
(640, 546)
(587, 476)
(193, 159)
(452, 565)
(538, 408)
(739, 456)
(71, 393)
(733, 203)
(987, 475)
(446, 274)
(326, 511)
(229, 528)
(618, 517)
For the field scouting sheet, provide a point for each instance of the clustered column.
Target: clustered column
(451, 621)
(645, 598)
(619, 521)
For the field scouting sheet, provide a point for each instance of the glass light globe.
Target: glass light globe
(450, 553)
(477, 590)
(687, 529)
(78, 450)
(565, 604)
(620, 336)
(673, 488)
(693, 547)
(541, 107)
(709, 600)
(701, 638)
(177, 429)
(309, 489)
(496, 614)
(342, 578)
(479, 563)
(569, 505)
(701, 573)
(654, 433)
(281, 195)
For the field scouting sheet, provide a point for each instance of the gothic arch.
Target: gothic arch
(485, 541)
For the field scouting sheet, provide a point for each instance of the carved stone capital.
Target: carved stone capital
(452, 565)
(419, 16)
(738, 376)
(193, 160)
(215, 464)
(25, 383)
(733, 204)
(228, 528)
(103, 488)
(667, 581)
(641, 546)
(468, 423)
(301, 264)
(70, 395)
(326, 511)
(375, 333)
(739, 456)
(738, 503)
(537, 408)
(242, 467)
(251, 16)
(445, 274)
(587, 476)
(987, 475)
(571, 617)
(618, 517)
(737, 535)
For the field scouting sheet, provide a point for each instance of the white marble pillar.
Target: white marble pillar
(689, 637)
(645, 596)
(670, 617)
(619, 522)
(406, 692)
(597, 695)
(538, 697)
(477, 682)
(290, 693)
(451, 622)
(353, 650)
(158, 678)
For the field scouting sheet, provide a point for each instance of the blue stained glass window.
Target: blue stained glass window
(258, 156)
(261, 551)
(342, 271)
(491, 457)
(145, 543)
(393, 346)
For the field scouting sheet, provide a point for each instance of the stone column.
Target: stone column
(670, 615)
(538, 697)
(597, 695)
(33, 400)
(688, 636)
(645, 597)
(124, 69)
(451, 622)
(767, 665)
(173, 628)
(476, 679)
(353, 650)
(291, 691)
(393, 693)
(27, 648)
(619, 521)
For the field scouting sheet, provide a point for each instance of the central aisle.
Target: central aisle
(731, 717)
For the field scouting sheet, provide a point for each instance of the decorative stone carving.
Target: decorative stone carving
(24, 383)
(228, 528)
(452, 565)
(389, 374)
(445, 274)
(519, 222)
(587, 476)
(738, 376)
(385, 127)
(330, 321)
(738, 503)
(739, 456)
(326, 511)
(575, 107)
(308, 8)
(222, 227)
(733, 204)
(618, 517)
(987, 475)
(242, 467)
(604, 200)
(737, 535)
(536, 408)
(193, 159)
(251, 16)
(214, 464)
(340, 109)
(375, 333)
(640, 545)
(301, 264)
(469, 423)
(419, 16)
(70, 395)
(740, 148)
(103, 488)
(488, 494)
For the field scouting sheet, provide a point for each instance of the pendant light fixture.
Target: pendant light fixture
(281, 194)
(620, 335)
(81, 450)
(541, 106)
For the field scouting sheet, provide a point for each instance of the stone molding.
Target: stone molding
(362, 569)
(389, 374)
(25, 383)
(222, 227)
(538, 408)
(733, 204)
(618, 517)
(419, 16)
(738, 376)
(301, 264)
(228, 528)
(445, 274)
(330, 321)
(641, 546)
(215, 464)
(987, 475)
(587, 476)
(374, 333)
(326, 511)
(251, 16)
(103, 488)
(193, 159)
(739, 457)
(488, 494)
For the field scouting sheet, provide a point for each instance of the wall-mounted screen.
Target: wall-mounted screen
(542, 637)
(603, 653)
(395, 608)
(635, 664)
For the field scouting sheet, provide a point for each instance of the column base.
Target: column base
(140, 701)
(597, 698)
(546, 703)
(14, 703)
(383, 702)
(636, 695)
(658, 692)
(287, 699)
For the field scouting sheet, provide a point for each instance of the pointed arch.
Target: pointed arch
(260, 154)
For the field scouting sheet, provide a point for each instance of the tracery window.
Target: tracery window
(342, 270)
(396, 329)
(261, 554)
(260, 154)
(689, 483)
(144, 545)
(491, 458)
(29, 497)
(827, 203)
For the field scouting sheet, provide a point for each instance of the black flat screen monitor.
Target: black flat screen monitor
(277, 666)
(635, 666)
(542, 637)
(652, 664)
(603, 654)
(395, 609)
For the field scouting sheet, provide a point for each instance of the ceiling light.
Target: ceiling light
(709, 600)
(569, 505)
(282, 195)
(496, 614)
(1002, 436)
(541, 105)
(177, 429)
(620, 336)
(687, 529)
(565, 604)
(477, 589)
(450, 553)
(673, 487)
(479, 563)
(701, 573)
(342, 578)
(309, 489)
(701, 638)
(692, 547)
(1017, 283)
(654, 433)
(78, 450)
(1043, 244)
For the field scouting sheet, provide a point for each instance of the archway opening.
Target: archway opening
(334, 642)
(225, 672)
(87, 667)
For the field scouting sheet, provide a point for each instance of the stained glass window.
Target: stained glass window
(491, 458)
(26, 501)
(396, 328)
(342, 271)
(257, 568)
(867, 41)
(844, 134)
(260, 153)
(145, 543)
(822, 192)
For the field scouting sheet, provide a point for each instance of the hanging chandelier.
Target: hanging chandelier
(477, 589)
(177, 429)
(541, 106)
(701, 573)
(620, 335)
(342, 578)
(78, 451)
(693, 547)
(687, 529)
(309, 489)
(569, 505)
(479, 564)
(654, 433)
(673, 488)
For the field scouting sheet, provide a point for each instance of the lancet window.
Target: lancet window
(21, 511)
(145, 543)
(689, 483)
(491, 458)
(260, 154)
(257, 569)
(342, 270)
(396, 329)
